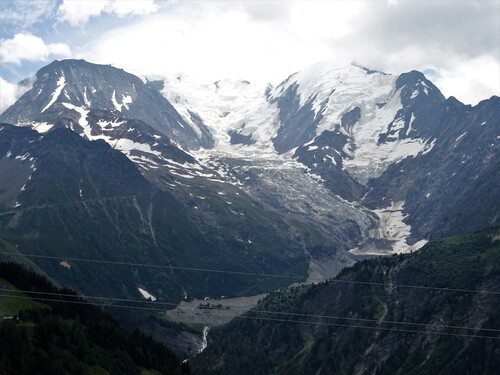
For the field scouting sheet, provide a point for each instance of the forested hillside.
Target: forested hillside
(433, 311)
(52, 331)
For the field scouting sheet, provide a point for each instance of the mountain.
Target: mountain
(393, 146)
(171, 188)
(370, 320)
(452, 188)
(70, 198)
(48, 330)
(90, 86)
(333, 164)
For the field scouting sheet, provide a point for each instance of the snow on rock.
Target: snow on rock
(393, 229)
(146, 294)
(61, 82)
(460, 136)
(105, 125)
(335, 90)
(118, 107)
(41, 127)
(230, 106)
(126, 100)
(87, 130)
(86, 100)
(125, 145)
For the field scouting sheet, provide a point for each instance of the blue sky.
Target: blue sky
(456, 43)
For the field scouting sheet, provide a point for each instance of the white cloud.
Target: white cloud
(323, 19)
(30, 47)
(206, 39)
(458, 40)
(10, 92)
(79, 12)
(7, 94)
(22, 14)
(477, 79)
(123, 8)
(268, 40)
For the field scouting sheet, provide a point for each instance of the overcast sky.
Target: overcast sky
(455, 43)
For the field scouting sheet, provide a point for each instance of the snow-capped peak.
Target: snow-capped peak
(224, 106)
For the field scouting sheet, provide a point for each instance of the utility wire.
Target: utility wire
(372, 328)
(156, 303)
(294, 277)
(275, 319)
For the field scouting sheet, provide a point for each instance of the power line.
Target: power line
(109, 299)
(275, 319)
(85, 297)
(242, 273)
(372, 328)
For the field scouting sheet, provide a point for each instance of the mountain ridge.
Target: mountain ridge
(94, 86)
(341, 149)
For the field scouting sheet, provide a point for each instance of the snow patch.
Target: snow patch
(61, 82)
(127, 145)
(460, 136)
(370, 159)
(23, 157)
(113, 124)
(41, 127)
(393, 229)
(118, 107)
(332, 159)
(146, 294)
(126, 100)
(87, 130)
(86, 99)
(428, 147)
(410, 124)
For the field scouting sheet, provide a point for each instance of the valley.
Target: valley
(169, 190)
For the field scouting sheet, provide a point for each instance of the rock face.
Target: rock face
(383, 141)
(452, 188)
(68, 197)
(91, 86)
(396, 141)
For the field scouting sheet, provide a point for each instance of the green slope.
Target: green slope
(86, 200)
(390, 329)
(64, 335)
